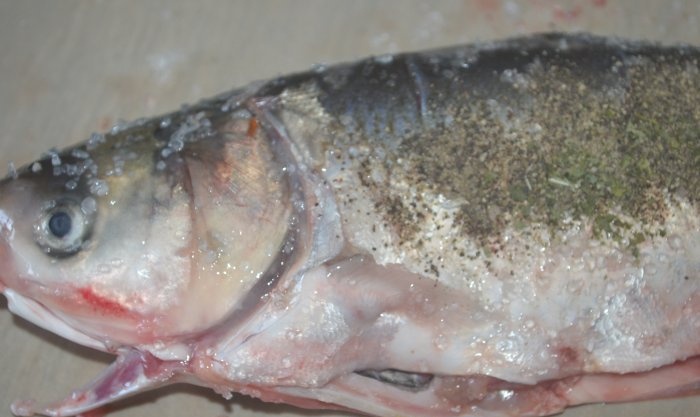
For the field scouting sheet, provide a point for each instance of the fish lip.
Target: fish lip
(7, 232)
(38, 314)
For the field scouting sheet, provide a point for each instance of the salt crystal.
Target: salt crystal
(95, 140)
(165, 122)
(12, 171)
(99, 187)
(80, 154)
(119, 126)
(384, 59)
(319, 68)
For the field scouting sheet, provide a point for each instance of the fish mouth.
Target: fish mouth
(26, 307)
(40, 315)
(3, 261)
(6, 234)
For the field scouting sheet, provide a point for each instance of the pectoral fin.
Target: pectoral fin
(131, 373)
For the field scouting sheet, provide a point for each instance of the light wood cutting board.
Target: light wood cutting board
(68, 68)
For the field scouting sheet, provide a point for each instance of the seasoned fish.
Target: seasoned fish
(504, 229)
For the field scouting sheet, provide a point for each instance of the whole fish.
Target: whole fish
(504, 229)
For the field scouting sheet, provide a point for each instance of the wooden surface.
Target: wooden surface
(68, 68)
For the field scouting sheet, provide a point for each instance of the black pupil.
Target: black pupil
(60, 224)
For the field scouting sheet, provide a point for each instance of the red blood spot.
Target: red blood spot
(568, 357)
(100, 303)
(488, 6)
(105, 123)
(252, 127)
(567, 14)
(600, 3)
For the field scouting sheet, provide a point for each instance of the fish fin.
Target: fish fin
(131, 373)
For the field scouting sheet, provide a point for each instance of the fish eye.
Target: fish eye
(63, 228)
(60, 224)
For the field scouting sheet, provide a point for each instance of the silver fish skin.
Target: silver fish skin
(502, 229)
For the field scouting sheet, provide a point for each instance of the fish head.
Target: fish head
(129, 239)
(58, 264)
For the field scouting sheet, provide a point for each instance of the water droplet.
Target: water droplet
(506, 394)
(88, 205)
(440, 341)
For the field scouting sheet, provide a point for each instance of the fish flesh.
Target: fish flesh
(502, 229)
